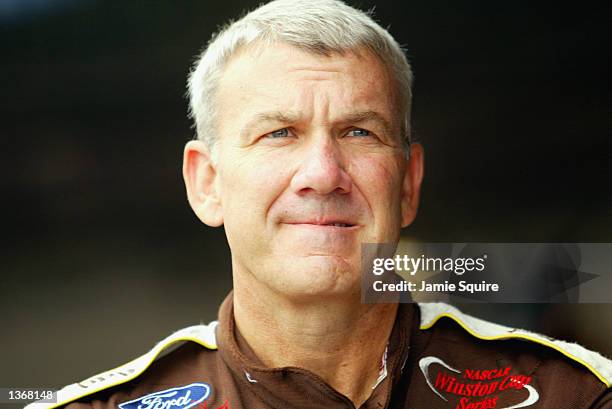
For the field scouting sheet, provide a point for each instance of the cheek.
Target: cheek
(249, 184)
(379, 177)
(249, 187)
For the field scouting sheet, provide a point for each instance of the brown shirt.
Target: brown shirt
(432, 362)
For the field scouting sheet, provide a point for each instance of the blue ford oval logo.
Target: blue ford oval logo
(182, 397)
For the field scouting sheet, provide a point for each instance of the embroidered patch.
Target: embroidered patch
(476, 388)
(182, 397)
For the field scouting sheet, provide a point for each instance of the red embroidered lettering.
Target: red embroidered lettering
(442, 380)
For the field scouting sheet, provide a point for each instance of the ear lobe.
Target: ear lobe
(411, 188)
(200, 176)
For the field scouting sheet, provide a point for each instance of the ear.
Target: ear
(412, 184)
(200, 175)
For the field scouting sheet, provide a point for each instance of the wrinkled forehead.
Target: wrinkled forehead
(265, 73)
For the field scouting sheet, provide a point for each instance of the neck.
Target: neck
(339, 339)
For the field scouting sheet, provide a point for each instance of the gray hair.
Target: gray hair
(317, 26)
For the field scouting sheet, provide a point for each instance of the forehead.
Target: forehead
(281, 77)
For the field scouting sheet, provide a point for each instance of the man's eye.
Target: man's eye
(359, 132)
(280, 133)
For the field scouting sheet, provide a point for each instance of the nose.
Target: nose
(322, 170)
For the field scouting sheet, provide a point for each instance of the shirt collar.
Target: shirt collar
(292, 387)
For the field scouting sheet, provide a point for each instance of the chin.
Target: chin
(319, 276)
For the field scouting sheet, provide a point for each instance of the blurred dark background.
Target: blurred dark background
(102, 256)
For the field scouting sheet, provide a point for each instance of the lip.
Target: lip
(327, 220)
(336, 225)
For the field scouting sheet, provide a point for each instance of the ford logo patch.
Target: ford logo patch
(182, 397)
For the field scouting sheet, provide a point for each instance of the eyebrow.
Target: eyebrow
(272, 116)
(354, 117)
(364, 116)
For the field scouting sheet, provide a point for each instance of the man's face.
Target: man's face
(309, 165)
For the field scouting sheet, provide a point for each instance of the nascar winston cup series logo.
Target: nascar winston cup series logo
(183, 397)
(478, 388)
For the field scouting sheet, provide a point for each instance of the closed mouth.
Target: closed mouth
(330, 224)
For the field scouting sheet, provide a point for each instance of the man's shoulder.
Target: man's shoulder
(598, 365)
(202, 335)
(466, 349)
